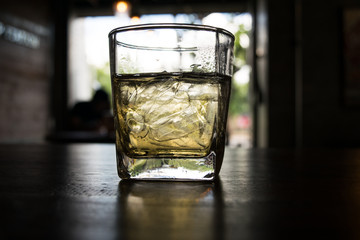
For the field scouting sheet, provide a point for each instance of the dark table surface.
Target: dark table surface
(72, 191)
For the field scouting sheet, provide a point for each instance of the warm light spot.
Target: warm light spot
(122, 6)
(135, 19)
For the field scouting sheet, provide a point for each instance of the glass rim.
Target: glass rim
(148, 26)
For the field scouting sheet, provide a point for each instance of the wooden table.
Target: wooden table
(72, 191)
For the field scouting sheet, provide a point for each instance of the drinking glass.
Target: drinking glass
(171, 87)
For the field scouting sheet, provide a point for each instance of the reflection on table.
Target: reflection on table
(172, 210)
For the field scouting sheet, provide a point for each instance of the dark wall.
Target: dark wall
(299, 75)
(328, 119)
(25, 69)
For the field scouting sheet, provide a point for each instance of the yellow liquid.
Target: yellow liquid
(169, 115)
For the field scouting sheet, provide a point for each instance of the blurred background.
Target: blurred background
(296, 76)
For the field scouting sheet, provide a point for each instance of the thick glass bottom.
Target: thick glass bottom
(167, 169)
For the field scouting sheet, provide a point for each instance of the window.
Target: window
(89, 64)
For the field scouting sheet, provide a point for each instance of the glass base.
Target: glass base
(167, 169)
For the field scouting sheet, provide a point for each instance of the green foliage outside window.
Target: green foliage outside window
(103, 77)
(239, 103)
